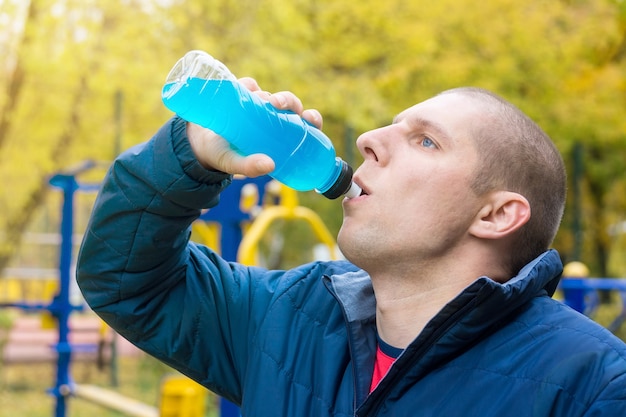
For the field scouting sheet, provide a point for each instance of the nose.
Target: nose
(372, 146)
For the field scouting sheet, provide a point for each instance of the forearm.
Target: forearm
(141, 220)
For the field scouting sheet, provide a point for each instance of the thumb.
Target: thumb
(254, 165)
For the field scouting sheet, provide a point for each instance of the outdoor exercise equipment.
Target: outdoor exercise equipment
(581, 292)
(114, 401)
(288, 209)
(181, 397)
(61, 307)
(582, 295)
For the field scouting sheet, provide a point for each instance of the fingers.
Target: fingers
(314, 117)
(250, 84)
(213, 152)
(256, 165)
(251, 166)
(284, 100)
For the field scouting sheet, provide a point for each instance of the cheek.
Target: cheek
(440, 204)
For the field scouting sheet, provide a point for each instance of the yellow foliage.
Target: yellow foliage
(360, 63)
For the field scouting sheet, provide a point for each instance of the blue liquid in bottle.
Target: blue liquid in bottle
(202, 90)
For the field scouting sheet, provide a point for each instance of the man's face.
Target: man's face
(417, 203)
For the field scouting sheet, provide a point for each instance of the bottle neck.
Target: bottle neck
(340, 182)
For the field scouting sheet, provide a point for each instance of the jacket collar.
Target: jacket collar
(355, 293)
(354, 289)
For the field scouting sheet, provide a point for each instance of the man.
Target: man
(443, 309)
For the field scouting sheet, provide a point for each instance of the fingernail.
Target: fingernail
(313, 115)
(262, 165)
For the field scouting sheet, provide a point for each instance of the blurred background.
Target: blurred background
(81, 80)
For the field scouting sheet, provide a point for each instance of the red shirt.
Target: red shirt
(386, 355)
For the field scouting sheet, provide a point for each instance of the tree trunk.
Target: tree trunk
(19, 221)
(16, 77)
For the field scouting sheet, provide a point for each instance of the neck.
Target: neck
(407, 299)
(402, 314)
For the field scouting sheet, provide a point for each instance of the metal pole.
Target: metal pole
(61, 307)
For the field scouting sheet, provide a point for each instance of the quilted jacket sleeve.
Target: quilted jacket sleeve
(176, 300)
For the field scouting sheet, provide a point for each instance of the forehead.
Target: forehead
(449, 106)
(451, 116)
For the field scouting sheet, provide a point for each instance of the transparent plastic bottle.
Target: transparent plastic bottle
(201, 90)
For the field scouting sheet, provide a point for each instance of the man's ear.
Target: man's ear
(503, 213)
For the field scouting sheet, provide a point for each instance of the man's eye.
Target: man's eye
(428, 143)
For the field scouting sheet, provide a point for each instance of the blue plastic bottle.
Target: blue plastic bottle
(201, 90)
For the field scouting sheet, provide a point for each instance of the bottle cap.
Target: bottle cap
(342, 184)
(354, 190)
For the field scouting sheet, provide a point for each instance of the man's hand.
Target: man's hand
(213, 152)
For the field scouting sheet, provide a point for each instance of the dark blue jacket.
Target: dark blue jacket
(302, 342)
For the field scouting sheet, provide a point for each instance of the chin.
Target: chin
(344, 247)
(352, 252)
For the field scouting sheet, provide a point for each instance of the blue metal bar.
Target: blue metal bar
(594, 283)
(581, 294)
(61, 307)
(26, 306)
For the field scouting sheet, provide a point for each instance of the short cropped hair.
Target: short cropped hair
(515, 154)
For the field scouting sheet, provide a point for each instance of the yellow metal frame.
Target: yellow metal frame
(288, 209)
(208, 233)
(39, 290)
(181, 397)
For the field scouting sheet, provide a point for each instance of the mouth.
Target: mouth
(357, 190)
(364, 189)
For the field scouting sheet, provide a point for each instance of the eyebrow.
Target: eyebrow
(435, 127)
